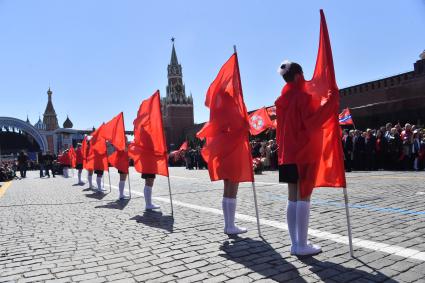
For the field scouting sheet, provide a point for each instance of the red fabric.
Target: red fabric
(149, 149)
(97, 158)
(114, 132)
(184, 146)
(119, 160)
(227, 150)
(72, 157)
(308, 132)
(64, 159)
(79, 155)
(259, 121)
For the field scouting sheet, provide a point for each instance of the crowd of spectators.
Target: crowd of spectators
(387, 148)
(7, 170)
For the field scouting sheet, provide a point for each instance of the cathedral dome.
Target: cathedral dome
(40, 125)
(67, 124)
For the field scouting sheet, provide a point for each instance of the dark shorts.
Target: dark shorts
(148, 176)
(288, 173)
(79, 166)
(99, 172)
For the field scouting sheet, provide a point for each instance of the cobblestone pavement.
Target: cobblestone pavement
(54, 230)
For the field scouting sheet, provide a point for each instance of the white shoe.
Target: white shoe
(151, 206)
(235, 230)
(309, 249)
(124, 197)
(293, 249)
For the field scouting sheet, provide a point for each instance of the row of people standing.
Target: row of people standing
(388, 148)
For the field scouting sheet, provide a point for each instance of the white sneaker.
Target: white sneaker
(152, 206)
(309, 249)
(124, 197)
(235, 230)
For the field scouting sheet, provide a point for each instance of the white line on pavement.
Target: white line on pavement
(366, 244)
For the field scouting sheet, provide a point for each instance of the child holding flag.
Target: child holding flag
(308, 136)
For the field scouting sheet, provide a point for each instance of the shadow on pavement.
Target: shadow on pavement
(118, 204)
(96, 195)
(330, 271)
(260, 257)
(78, 185)
(156, 219)
(87, 189)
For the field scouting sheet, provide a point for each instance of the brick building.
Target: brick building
(399, 98)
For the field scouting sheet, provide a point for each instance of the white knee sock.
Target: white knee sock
(121, 188)
(90, 179)
(291, 219)
(303, 216)
(147, 191)
(229, 211)
(225, 213)
(99, 182)
(79, 176)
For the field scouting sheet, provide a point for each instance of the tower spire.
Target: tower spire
(173, 60)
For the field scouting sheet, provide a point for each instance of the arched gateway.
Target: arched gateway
(25, 127)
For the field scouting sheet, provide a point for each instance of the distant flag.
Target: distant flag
(259, 121)
(184, 146)
(345, 117)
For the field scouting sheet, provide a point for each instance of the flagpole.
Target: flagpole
(256, 208)
(347, 211)
(171, 198)
(253, 182)
(129, 187)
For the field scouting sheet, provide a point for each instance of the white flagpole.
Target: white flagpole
(129, 186)
(171, 198)
(350, 237)
(256, 208)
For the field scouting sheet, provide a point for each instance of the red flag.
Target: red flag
(184, 146)
(97, 158)
(259, 121)
(119, 159)
(345, 117)
(72, 157)
(114, 132)
(227, 150)
(321, 159)
(149, 149)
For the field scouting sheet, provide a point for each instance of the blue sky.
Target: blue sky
(102, 57)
